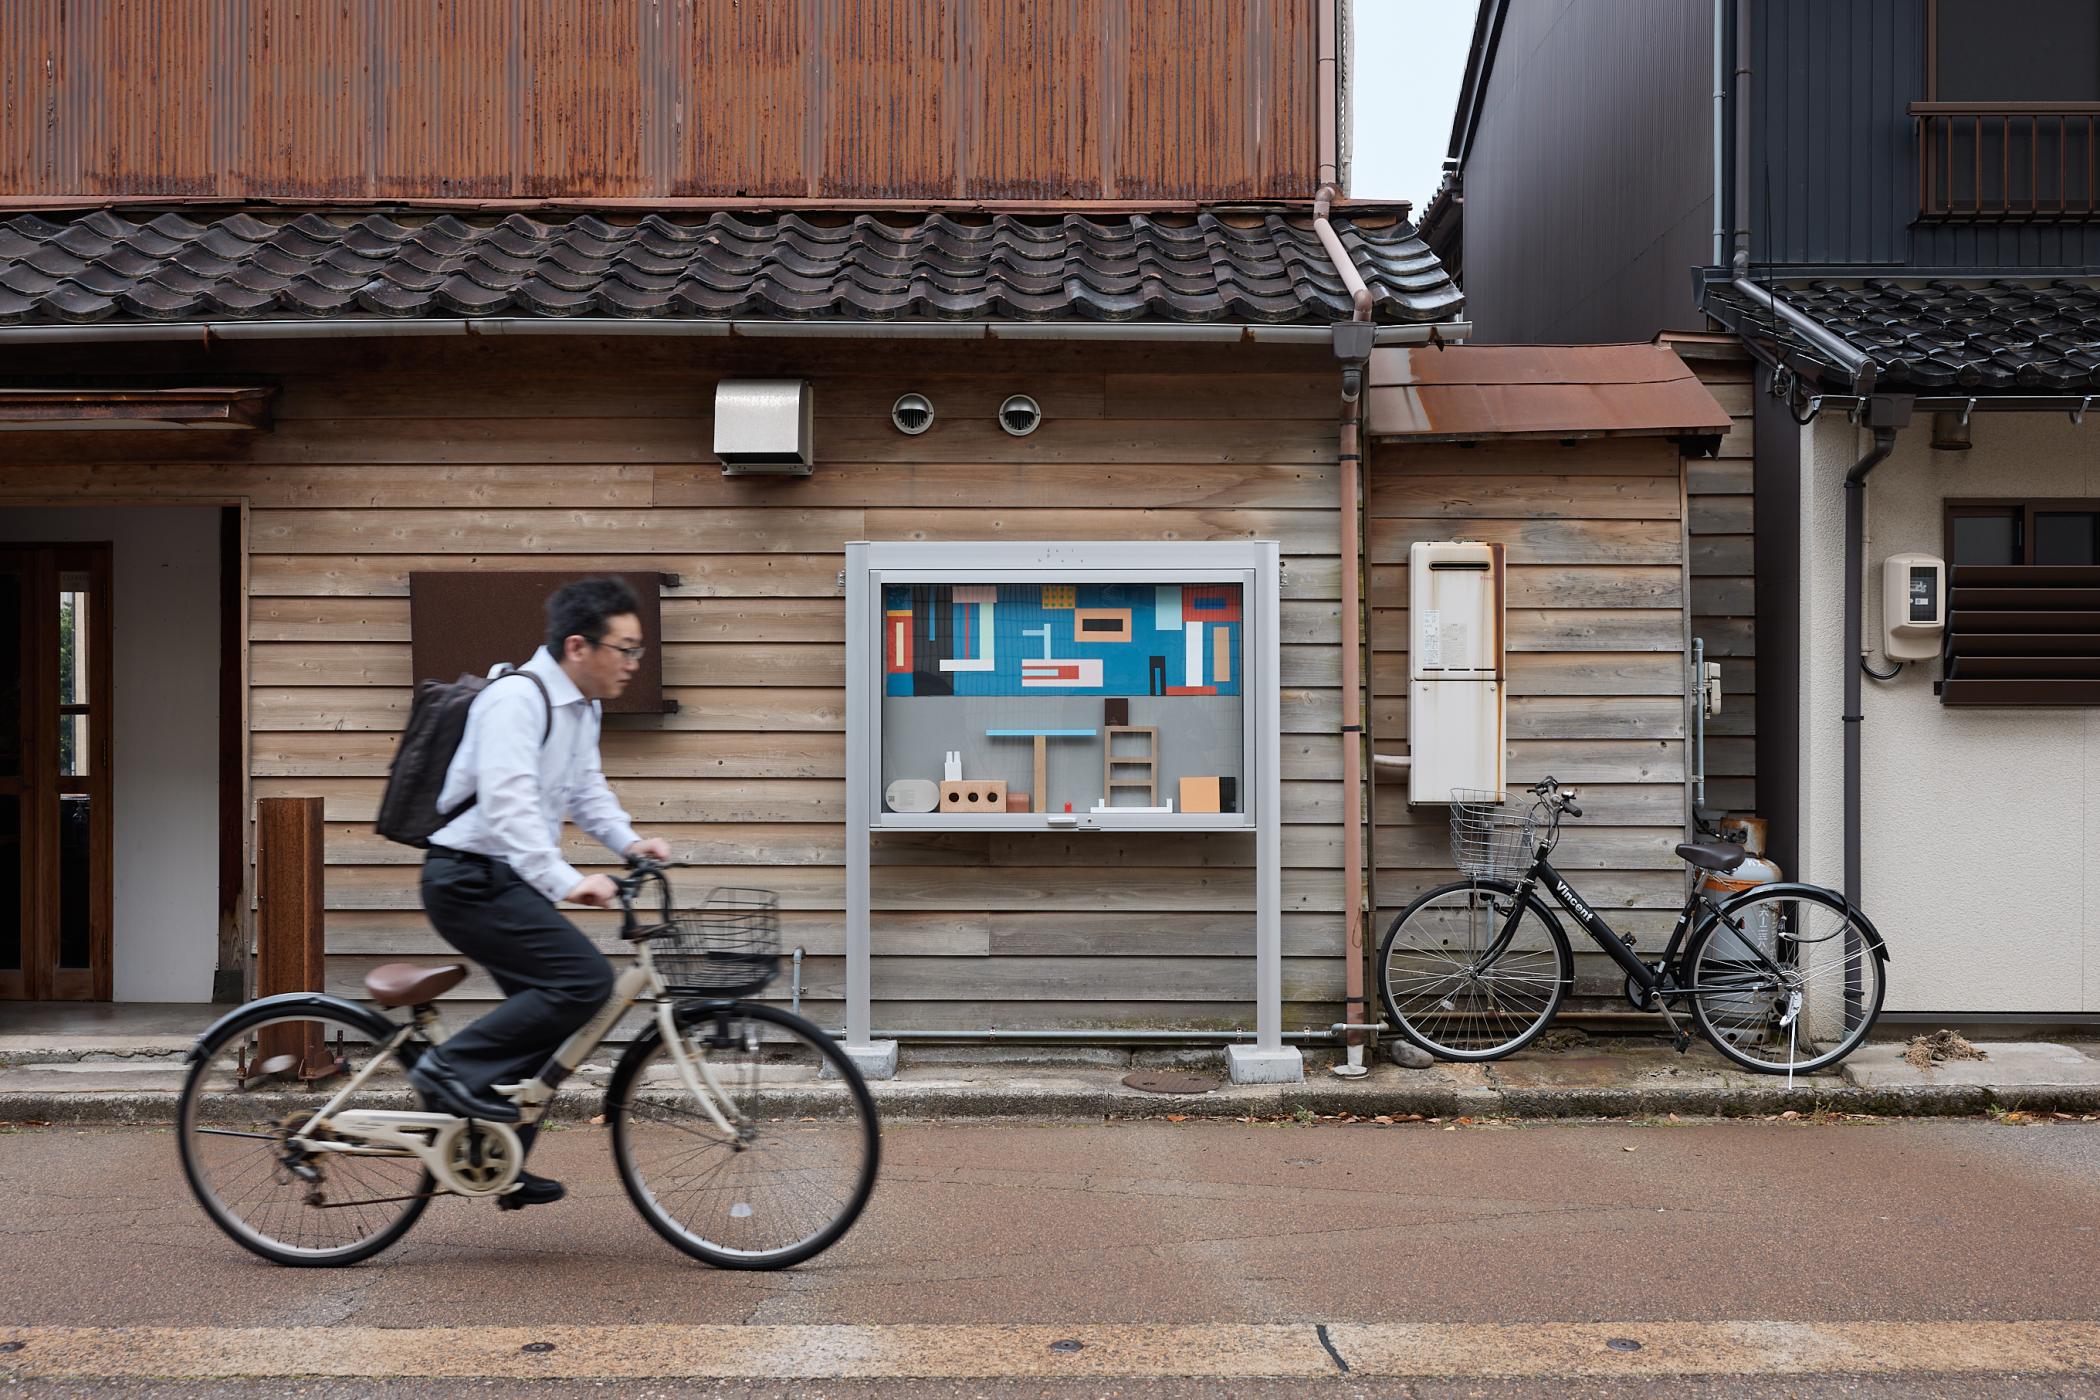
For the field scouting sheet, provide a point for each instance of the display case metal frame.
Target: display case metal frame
(1254, 564)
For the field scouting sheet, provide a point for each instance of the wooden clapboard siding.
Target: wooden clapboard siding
(591, 455)
(1722, 579)
(1596, 625)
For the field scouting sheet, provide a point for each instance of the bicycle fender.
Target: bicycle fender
(1795, 887)
(371, 1020)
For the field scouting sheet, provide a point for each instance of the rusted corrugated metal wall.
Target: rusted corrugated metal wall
(639, 99)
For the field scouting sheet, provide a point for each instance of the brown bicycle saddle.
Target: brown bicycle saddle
(410, 984)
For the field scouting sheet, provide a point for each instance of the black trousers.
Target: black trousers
(555, 980)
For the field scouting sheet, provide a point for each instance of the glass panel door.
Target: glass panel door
(54, 773)
(15, 857)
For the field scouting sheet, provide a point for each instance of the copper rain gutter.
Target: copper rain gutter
(1349, 459)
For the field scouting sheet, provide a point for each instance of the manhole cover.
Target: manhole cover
(1169, 1081)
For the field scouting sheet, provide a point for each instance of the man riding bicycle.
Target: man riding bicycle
(495, 872)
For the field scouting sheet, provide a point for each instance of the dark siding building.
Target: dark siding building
(1584, 138)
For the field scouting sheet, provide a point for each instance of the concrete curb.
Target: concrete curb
(1082, 1101)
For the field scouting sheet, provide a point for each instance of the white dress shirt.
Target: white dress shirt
(527, 787)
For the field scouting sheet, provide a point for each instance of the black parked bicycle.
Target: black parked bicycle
(1782, 978)
(305, 1141)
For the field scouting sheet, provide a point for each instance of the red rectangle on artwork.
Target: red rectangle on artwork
(896, 658)
(1192, 690)
(1210, 602)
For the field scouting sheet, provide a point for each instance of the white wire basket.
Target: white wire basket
(1491, 837)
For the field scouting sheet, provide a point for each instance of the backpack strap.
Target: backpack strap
(446, 818)
(548, 732)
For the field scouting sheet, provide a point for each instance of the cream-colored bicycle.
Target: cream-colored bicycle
(742, 1133)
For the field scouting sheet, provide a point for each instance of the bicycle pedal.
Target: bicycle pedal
(1683, 1041)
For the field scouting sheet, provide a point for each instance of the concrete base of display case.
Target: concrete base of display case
(1250, 1065)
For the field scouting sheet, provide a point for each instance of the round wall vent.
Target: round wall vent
(1020, 415)
(912, 414)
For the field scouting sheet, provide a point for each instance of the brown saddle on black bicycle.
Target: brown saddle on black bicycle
(1717, 856)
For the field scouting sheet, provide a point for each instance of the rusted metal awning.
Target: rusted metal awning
(1465, 393)
(241, 409)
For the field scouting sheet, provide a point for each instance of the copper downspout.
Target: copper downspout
(1348, 459)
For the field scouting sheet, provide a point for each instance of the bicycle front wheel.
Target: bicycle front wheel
(792, 1168)
(253, 1088)
(1452, 983)
(1785, 981)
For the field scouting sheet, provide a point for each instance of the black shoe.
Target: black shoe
(531, 1191)
(446, 1091)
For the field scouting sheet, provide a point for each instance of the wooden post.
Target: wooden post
(289, 882)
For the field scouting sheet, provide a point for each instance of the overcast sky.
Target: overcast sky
(1409, 56)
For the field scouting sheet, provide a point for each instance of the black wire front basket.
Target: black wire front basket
(728, 947)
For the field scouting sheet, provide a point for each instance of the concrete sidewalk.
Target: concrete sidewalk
(135, 1078)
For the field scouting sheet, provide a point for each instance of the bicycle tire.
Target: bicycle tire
(1430, 1032)
(1725, 1013)
(203, 1095)
(727, 1235)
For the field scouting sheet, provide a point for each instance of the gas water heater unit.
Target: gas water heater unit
(1457, 681)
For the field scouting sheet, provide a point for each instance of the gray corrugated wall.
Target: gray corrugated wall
(1589, 183)
(1834, 173)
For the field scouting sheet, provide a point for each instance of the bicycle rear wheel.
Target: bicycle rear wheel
(1453, 988)
(797, 1164)
(255, 1084)
(1785, 981)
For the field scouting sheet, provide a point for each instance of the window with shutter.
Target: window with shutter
(2023, 623)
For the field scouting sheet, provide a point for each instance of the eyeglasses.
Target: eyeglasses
(631, 653)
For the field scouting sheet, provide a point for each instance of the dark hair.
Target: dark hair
(582, 609)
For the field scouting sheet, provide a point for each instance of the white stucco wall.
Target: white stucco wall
(1981, 827)
(165, 893)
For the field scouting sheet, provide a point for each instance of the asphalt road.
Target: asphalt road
(1872, 1258)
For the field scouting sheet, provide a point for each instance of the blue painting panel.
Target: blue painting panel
(1019, 640)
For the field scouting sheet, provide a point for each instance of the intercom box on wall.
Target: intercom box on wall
(1913, 606)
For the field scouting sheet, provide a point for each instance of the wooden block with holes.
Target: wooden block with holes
(973, 796)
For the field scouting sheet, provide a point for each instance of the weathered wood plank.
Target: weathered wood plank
(1723, 596)
(976, 979)
(1559, 673)
(387, 486)
(930, 888)
(1721, 515)
(406, 933)
(1017, 486)
(1568, 717)
(1540, 541)
(1396, 462)
(716, 799)
(670, 438)
(1572, 587)
(769, 576)
(1296, 531)
(1566, 497)
(1304, 847)
(695, 664)
(1566, 629)
(542, 532)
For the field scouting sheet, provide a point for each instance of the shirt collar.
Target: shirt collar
(560, 689)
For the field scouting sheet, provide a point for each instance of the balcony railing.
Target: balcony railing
(2006, 160)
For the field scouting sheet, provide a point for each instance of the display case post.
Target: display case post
(1268, 1060)
(875, 1059)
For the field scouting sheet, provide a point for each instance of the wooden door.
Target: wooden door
(55, 779)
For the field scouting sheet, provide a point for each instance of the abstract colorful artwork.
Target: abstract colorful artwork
(1034, 639)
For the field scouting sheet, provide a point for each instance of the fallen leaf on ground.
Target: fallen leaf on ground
(1177, 1118)
(598, 1121)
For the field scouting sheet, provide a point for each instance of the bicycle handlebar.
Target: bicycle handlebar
(1562, 799)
